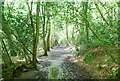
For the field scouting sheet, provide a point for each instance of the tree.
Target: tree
(6, 58)
(85, 6)
(37, 34)
(43, 31)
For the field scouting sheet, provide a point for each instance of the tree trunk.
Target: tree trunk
(32, 25)
(67, 36)
(6, 56)
(86, 23)
(101, 13)
(27, 57)
(43, 31)
(52, 34)
(36, 34)
(74, 41)
(48, 37)
(8, 34)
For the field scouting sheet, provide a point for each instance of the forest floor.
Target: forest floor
(59, 64)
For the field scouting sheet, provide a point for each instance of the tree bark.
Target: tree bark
(86, 23)
(48, 37)
(6, 56)
(101, 13)
(36, 34)
(7, 32)
(43, 31)
(32, 25)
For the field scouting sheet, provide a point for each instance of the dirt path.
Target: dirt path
(60, 64)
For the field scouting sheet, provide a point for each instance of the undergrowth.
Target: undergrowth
(103, 60)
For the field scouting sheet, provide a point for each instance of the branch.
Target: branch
(101, 13)
(91, 28)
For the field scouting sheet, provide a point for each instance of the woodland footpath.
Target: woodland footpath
(60, 40)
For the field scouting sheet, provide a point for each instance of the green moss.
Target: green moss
(55, 73)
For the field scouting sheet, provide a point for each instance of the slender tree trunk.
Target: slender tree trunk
(24, 54)
(36, 34)
(101, 13)
(48, 40)
(32, 25)
(86, 23)
(43, 31)
(67, 38)
(52, 34)
(6, 56)
(91, 28)
(8, 34)
(48, 37)
(27, 57)
(67, 35)
(11, 44)
(74, 40)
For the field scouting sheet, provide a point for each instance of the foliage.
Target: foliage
(77, 53)
(10, 68)
(28, 26)
(99, 67)
(88, 58)
(114, 74)
(99, 59)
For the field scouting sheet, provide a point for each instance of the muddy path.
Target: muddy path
(59, 64)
